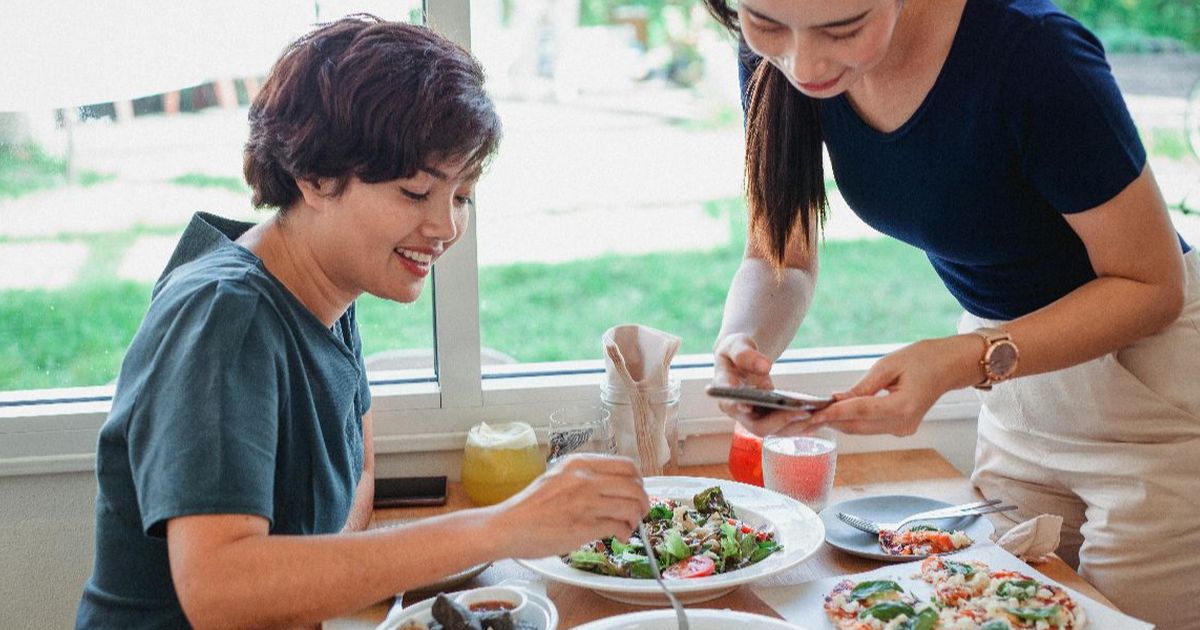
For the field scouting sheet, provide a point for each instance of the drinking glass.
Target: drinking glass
(581, 429)
(745, 457)
(801, 467)
(499, 460)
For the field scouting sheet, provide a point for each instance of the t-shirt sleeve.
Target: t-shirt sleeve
(1079, 146)
(203, 433)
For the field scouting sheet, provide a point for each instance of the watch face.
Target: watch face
(1002, 360)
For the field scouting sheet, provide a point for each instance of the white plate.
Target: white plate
(698, 619)
(796, 527)
(450, 581)
(891, 508)
(539, 611)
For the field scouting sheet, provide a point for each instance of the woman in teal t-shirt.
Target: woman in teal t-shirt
(235, 469)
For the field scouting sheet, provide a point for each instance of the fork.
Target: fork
(956, 511)
(680, 615)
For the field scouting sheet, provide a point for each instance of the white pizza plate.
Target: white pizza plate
(797, 528)
(892, 508)
(698, 619)
(539, 611)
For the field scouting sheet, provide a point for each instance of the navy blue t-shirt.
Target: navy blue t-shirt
(1023, 125)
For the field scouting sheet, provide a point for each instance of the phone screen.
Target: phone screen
(410, 491)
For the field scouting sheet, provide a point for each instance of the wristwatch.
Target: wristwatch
(1000, 356)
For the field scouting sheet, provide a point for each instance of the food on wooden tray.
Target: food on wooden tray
(450, 615)
(967, 595)
(922, 540)
(689, 541)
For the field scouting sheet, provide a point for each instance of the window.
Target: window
(616, 197)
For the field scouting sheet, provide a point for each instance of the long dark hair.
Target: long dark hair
(785, 175)
(367, 98)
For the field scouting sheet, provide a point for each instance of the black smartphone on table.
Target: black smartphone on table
(770, 398)
(392, 492)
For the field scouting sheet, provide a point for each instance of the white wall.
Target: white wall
(46, 521)
(46, 530)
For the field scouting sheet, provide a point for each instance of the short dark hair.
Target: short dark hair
(367, 98)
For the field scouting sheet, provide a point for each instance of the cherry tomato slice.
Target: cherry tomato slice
(693, 567)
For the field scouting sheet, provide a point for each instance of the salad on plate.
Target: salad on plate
(689, 541)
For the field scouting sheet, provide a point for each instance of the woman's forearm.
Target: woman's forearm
(272, 581)
(1139, 289)
(1099, 317)
(1102, 316)
(766, 304)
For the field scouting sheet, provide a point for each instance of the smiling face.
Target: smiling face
(822, 47)
(383, 238)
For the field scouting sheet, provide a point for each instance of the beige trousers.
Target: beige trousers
(1113, 446)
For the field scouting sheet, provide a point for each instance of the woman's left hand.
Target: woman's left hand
(913, 378)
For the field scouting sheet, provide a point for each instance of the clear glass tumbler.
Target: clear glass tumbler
(801, 467)
(581, 429)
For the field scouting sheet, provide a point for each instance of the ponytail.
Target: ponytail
(785, 175)
(785, 178)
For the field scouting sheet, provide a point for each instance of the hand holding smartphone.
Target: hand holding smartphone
(770, 398)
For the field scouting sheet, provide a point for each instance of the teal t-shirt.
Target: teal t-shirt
(233, 398)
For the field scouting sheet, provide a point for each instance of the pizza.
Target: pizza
(967, 595)
(875, 605)
(922, 541)
(954, 581)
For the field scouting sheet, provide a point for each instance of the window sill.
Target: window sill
(38, 436)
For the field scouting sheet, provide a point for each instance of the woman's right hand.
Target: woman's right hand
(737, 362)
(582, 498)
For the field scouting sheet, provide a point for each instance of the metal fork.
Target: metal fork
(680, 615)
(956, 511)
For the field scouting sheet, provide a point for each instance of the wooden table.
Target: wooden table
(921, 472)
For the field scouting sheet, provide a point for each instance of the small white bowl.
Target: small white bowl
(514, 597)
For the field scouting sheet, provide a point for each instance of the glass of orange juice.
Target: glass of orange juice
(499, 461)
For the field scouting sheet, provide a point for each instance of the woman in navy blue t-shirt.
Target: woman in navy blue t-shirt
(991, 135)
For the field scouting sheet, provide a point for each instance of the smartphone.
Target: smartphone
(410, 491)
(770, 398)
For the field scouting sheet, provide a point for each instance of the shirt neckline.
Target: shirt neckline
(948, 65)
(229, 230)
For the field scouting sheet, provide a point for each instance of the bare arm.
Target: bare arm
(1138, 290)
(364, 494)
(763, 310)
(229, 572)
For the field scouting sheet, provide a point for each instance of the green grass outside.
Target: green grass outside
(201, 180)
(27, 169)
(1166, 142)
(870, 292)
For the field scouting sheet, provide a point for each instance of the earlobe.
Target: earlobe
(314, 190)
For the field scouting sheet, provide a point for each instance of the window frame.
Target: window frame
(56, 430)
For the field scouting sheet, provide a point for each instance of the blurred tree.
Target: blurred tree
(1130, 25)
(1140, 25)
